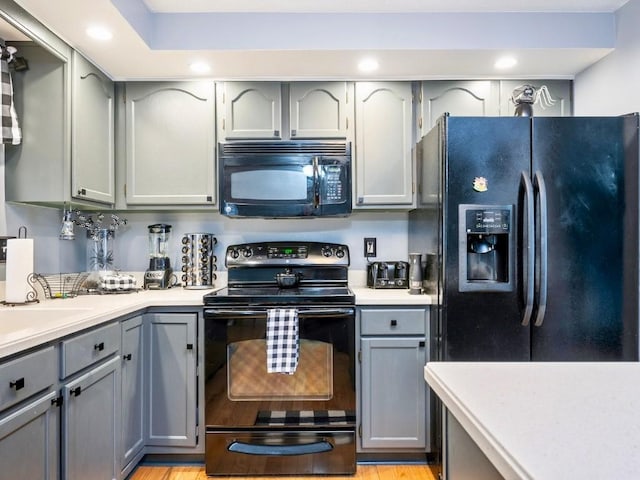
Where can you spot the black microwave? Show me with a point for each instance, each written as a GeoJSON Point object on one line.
{"type": "Point", "coordinates": [275, 179]}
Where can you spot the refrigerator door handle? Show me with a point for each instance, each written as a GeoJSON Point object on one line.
{"type": "Point", "coordinates": [538, 183]}
{"type": "Point", "coordinates": [528, 251]}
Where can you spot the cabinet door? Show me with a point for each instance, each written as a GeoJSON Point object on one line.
{"type": "Point", "coordinates": [92, 133]}
{"type": "Point", "coordinates": [90, 428]}
{"type": "Point", "coordinates": [170, 143]}
{"type": "Point", "coordinates": [393, 393]}
{"type": "Point", "coordinates": [132, 390]}
{"type": "Point", "coordinates": [319, 109]}
{"type": "Point", "coordinates": [468, 98]}
{"type": "Point", "coordinates": [559, 91]}
{"type": "Point", "coordinates": [384, 173]}
{"type": "Point", "coordinates": [250, 110]}
{"type": "Point", "coordinates": [29, 441]}
{"type": "Point", "coordinates": [171, 392]}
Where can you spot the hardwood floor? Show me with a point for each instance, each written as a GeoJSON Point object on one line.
{"type": "Point", "coordinates": [365, 472]}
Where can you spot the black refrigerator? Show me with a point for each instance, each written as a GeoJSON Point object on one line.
{"type": "Point", "coordinates": [534, 225]}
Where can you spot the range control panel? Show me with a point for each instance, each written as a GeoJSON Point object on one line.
{"type": "Point", "coordinates": [287, 254]}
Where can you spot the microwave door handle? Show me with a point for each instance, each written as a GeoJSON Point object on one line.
{"type": "Point", "coordinates": [316, 186]}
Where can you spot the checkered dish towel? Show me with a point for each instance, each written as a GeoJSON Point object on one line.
{"type": "Point", "coordinates": [282, 340]}
{"type": "Point", "coordinates": [10, 129]}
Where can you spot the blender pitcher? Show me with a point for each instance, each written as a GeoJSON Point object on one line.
{"type": "Point", "coordinates": [160, 272]}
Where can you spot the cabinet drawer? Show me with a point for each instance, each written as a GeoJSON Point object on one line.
{"type": "Point", "coordinates": [81, 351]}
{"type": "Point", "coordinates": [393, 322]}
{"type": "Point", "coordinates": [25, 376]}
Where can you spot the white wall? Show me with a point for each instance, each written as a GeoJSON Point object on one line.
{"type": "Point", "coordinates": [130, 244]}
{"type": "Point", "coordinates": [612, 85]}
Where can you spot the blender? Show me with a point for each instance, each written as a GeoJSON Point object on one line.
{"type": "Point", "coordinates": [159, 273]}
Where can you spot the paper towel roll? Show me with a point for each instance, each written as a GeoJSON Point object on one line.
{"type": "Point", "coordinates": [18, 268]}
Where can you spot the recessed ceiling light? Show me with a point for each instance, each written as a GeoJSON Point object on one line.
{"type": "Point", "coordinates": [98, 32]}
{"type": "Point", "coordinates": [505, 63]}
{"type": "Point", "coordinates": [368, 65]}
{"type": "Point", "coordinates": [199, 67]}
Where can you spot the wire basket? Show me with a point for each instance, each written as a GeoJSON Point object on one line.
{"type": "Point", "coordinates": [61, 285]}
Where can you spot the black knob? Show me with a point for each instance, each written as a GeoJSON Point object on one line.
{"type": "Point", "coordinates": [17, 384]}
{"type": "Point", "coordinates": [76, 391]}
{"type": "Point", "coordinates": [189, 346]}
{"type": "Point", "coordinates": [127, 356]}
{"type": "Point", "coordinates": [394, 323]}
{"type": "Point", "coordinates": [99, 346]}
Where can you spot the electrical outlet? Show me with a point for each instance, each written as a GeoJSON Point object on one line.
{"type": "Point", "coordinates": [3, 248]}
{"type": "Point", "coordinates": [369, 247]}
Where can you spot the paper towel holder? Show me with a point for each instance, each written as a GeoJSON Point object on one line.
{"type": "Point", "coordinates": [31, 295]}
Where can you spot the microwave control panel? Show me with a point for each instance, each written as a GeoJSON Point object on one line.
{"type": "Point", "coordinates": [334, 184]}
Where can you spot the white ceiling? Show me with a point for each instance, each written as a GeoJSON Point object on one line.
{"type": "Point", "coordinates": [304, 39]}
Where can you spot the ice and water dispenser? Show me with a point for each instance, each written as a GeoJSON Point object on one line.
{"type": "Point", "coordinates": [487, 248]}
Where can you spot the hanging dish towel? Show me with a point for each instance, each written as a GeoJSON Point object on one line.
{"type": "Point", "coordinates": [11, 133]}
{"type": "Point", "coordinates": [282, 340]}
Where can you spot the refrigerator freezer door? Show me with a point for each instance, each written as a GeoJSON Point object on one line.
{"type": "Point", "coordinates": [484, 159]}
{"type": "Point", "coordinates": [590, 168]}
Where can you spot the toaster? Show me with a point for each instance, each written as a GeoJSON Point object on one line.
{"type": "Point", "coordinates": [388, 275]}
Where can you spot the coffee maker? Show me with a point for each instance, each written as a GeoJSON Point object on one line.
{"type": "Point", "coordinates": [159, 274]}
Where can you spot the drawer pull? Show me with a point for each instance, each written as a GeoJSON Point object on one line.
{"type": "Point", "coordinates": [76, 391]}
{"type": "Point", "coordinates": [18, 384]}
{"type": "Point", "coordinates": [189, 346]}
{"type": "Point", "coordinates": [99, 346]}
{"type": "Point", "coordinates": [394, 323]}
{"type": "Point", "coordinates": [421, 343]}
{"type": "Point", "coordinates": [127, 356]}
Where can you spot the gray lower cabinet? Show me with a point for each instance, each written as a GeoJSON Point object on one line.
{"type": "Point", "coordinates": [395, 407]}
{"type": "Point", "coordinates": [90, 426]}
{"type": "Point", "coordinates": [29, 440]}
{"type": "Point", "coordinates": [170, 143]}
{"type": "Point", "coordinates": [29, 416]}
{"type": "Point", "coordinates": [383, 166]}
{"type": "Point", "coordinates": [171, 413]}
{"type": "Point", "coordinates": [132, 425]}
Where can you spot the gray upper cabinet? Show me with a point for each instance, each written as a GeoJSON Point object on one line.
{"type": "Point", "coordinates": [480, 98]}
{"type": "Point", "coordinates": [320, 109]}
{"type": "Point", "coordinates": [170, 143]}
{"type": "Point", "coordinates": [92, 133]}
{"type": "Point", "coordinates": [282, 110]}
{"type": "Point", "coordinates": [250, 110]}
{"type": "Point", "coordinates": [38, 170]}
{"type": "Point", "coordinates": [383, 161]}
{"type": "Point", "coordinates": [477, 98]}
{"type": "Point", "coordinates": [559, 91]}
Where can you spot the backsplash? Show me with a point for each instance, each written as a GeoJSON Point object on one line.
{"type": "Point", "coordinates": [130, 243]}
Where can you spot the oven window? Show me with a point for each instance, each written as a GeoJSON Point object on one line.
{"type": "Point", "coordinates": [248, 379]}
{"type": "Point", "coordinates": [264, 184]}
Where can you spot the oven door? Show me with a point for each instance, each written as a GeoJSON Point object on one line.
{"type": "Point", "coordinates": [306, 420]}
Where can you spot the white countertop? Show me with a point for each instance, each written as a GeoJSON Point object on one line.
{"type": "Point", "coordinates": [27, 326]}
{"type": "Point", "coordinates": [547, 421]}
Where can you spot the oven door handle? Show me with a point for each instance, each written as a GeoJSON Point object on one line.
{"type": "Point", "coordinates": [315, 312]}
{"type": "Point", "coordinates": [280, 450]}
